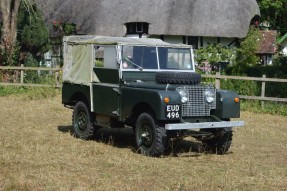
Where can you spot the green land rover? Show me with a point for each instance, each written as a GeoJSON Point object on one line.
{"type": "Point", "coordinates": [146, 84]}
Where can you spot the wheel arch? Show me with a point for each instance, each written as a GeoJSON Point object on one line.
{"type": "Point", "coordinates": [78, 96]}
{"type": "Point", "coordinates": [72, 93]}
{"type": "Point", "coordinates": [138, 109]}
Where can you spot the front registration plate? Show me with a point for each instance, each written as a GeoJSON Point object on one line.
{"type": "Point", "coordinates": [172, 111]}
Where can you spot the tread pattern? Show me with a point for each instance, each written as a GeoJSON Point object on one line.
{"type": "Point", "coordinates": [160, 139]}
{"type": "Point", "coordinates": [220, 144]}
{"type": "Point", "coordinates": [178, 78]}
{"type": "Point", "coordinates": [89, 131]}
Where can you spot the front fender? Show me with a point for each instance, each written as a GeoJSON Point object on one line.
{"type": "Point", "coordinates": [226, 107]}
{"type": "Point", "coordinates": [131, 97]}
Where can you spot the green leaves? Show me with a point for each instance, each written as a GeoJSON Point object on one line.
{"type": "Point", "coordinates": [274, 12]}
{"type": "Point", "coordinates": [248, 46]}
{"type": "Point", "coordinates": [34, 36]}
{"type": "Point", "coordinates": [241, 57]}
{"type": "Point", "coordinates": [208, 56]}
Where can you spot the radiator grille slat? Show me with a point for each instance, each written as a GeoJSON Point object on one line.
{"type": "Point", "coordinates": [196, 106]}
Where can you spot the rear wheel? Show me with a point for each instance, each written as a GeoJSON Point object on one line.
{"type": "Point", "coordinates": [220, 141]}
{"type": "Point", "coordinates": [151, 138]}
{"type": "Point", "coordinates": [83, 127]}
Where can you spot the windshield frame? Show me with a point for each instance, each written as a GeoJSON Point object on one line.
{"type": "Point", "coordinates": [140, 68]}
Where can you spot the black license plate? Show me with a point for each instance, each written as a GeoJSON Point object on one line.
{"type": "Point", "coordinates": [172, 111]}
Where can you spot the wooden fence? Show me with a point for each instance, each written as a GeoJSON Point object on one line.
{"type": "Point", "coordinates": [263, 81]}
{"type": "Point", "coordinates": [217, 78]}
{"type": "Point", "coordinates": [22, 69]}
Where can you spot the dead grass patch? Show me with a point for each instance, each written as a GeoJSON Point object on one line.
{"type": "Point", "coordinates": [37, 152]}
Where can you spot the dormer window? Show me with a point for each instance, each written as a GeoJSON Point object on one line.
{"type": "Point", "coordinates": [137, 28]}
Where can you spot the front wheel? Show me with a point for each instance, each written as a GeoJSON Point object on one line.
{"type": "Point", "coordinates": [220, 141]}
{"type": "Point", "coordinates": [151, 139]}
{"type": "Point", "coordinates": [83, 127]}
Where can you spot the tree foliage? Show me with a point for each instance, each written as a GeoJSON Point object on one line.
{"type": "Point", "coordinates": [34, 35]}
{"type": "Point", "coordinates": [246, 53]}
{"type": "Point", "coordinates": [208, 57]}
{"type": "Point", "coordinates": [275, 13]}
{"type": "Point", "coordinates": [214, 53]}
{"type": "Point", "coordinates": [239, 58]}
{"type": "Point", "coordinates": [22, 30]}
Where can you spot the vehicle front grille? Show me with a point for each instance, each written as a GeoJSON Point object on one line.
{"type": "Point", "coordinates": [196, 106]}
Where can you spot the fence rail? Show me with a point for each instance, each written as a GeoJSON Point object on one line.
{"type": "Point", "coordinates": [22, 69]}
{"type": "Point", "coordinates": [263, 79]}
{"type": "Point", "coordinates": [217, 78]}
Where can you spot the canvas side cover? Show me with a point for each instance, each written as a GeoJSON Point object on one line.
{"type": "Point", "coordinates": [78, 64]}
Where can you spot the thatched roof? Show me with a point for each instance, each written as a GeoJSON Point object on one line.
{"type": "Point", "coordinates": [214, 18]}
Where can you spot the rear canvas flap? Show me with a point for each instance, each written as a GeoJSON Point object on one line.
{"type": "Point", "coordinates": [78, 64]}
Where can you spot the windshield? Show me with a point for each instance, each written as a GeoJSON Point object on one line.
{"type": "Point", "coordinates": [175, 58]}
{"type": "Point", "coordinates": [141, 57]}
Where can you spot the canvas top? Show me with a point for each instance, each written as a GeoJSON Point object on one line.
{"type": "Point", "coordinates": [107, 40]}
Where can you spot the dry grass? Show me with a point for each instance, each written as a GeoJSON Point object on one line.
{"type": "Point", "coordinates": [37, 152]}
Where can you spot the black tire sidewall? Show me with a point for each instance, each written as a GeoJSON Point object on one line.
{"type": "Point", "coordinates": [88, 131]}
{"type": "Point", "coordinates": [158, 144]}
{"type": "Point", "coordinates": [221, 144]}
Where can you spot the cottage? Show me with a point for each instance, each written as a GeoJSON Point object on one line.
{"type": "Point", "coordinates": [187, 21]}
{"type": "Point", "coordinates": [267, 47]}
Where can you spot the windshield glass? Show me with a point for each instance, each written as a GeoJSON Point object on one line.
{"type": "Point", "coordinates": [175, 58]}
{"type": "Point", "coordinates": [141, 57]}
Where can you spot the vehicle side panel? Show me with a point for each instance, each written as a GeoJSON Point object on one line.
{"type": "Point", "coordinates": [106, 99]}
{"type": "Point", "coordinates": [71, 93]}
{"type": "Point", "coordinates": [131, 97]}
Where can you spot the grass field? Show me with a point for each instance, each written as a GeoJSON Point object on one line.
{"type": "Point", "coordinates": [37, 152]}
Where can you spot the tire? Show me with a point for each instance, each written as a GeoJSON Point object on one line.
{"type": "Point", "coordinates": [220, 142]}
{"type": "Point", "coordinates": [151, 139]}
{"type": "Point", "coordinates": [83, 127]}
{"type": "Point", "coordinates": [178, 78]}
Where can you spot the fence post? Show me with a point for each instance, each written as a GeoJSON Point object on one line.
{"type": "Point", "coordinates": [22, 74]}
{"type": "Point", "coordinates": [57, 77]}
{"type": "Point", "coordinates": [263, 90]}
{"type": "Point", "coordinates": [217, 80]}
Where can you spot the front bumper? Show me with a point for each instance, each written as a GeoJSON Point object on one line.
{"type": "Point", "coordinates": [204, 125]}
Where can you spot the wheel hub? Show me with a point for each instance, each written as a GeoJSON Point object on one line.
{"type": "Point", "coordinates": [82, 121]}
{"type": "Point", "coordinates": [146, 136]}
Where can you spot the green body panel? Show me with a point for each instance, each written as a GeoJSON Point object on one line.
{"type": "Point", "coordinates": [131, 97]}
{"type": "Point", "coordinates": [106, 99]}
{"type": "Point", "coordinates": [138, 75]}
{"type": "Point", "coordinates": [74, 92]}
{"type": "Point", "coordinates": [107, 75]}
{"type": "Point", "coordinates": [225, 105]}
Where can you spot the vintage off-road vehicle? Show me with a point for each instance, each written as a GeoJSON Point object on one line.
{"type": "Point", "coordinates": [149, 85]}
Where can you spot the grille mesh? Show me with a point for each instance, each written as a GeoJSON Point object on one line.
{"type": "Point", "coordinates": [196, 106]}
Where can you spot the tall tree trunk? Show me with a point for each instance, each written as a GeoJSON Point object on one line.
{"type": "Point", "coordinates": [9, 10]}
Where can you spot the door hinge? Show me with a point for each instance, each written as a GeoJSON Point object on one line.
{"type": "Point", "coordinates": [116, 113]}
{"type": "Point", "coordinates": [117, 90]}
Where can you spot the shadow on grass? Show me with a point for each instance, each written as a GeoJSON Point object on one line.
{"type": "Point", "coordinates": [125, 138]}
{"type": "Point", "coordinates": [65, 129]}
{"type": "Point", "coordinates": [118, 137]}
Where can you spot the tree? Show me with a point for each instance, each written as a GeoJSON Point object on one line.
{"type": "Point", "coordinates": [246, 53]}
{"type": "Point", "coordinates": [33, 33]}
{"type": "Point", "coordinates": [23, 29]}
{"type": "Point", "coordinates": [9, 10]}
{"type": "Point", "coordinates": [275, 13]}
{"type": "Point", "coordinates": [210, 57]}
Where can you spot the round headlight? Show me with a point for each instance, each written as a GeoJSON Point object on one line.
{"type": "Point", "coordinates": [209, 96]}
{"type": "Point", "coordinates": [184, 95]}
